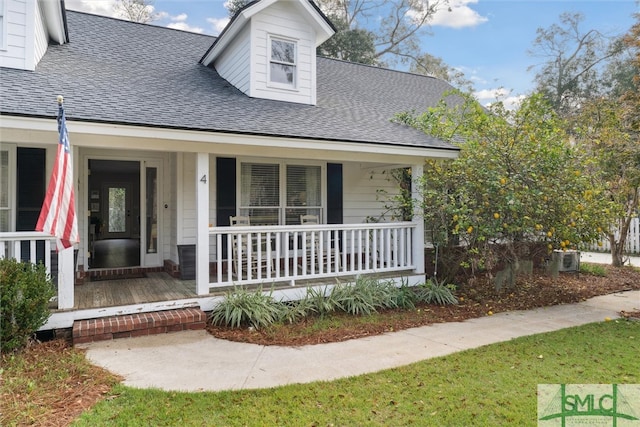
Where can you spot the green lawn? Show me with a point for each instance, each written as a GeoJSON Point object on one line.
{"type": "Point", "coordinates": [492, 385]}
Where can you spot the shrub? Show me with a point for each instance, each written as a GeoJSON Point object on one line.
{"type": "Point", "coordinates": [244, 308]}
{"type": "Point", "coordinates": [433, 292]}
{"type": "Point", "coordinates": [25, 291]}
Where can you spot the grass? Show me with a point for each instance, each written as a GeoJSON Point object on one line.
{"type": "Point", "coordinates": [593, 269]}
{"type": "Point", "coordinates": [491, 385]}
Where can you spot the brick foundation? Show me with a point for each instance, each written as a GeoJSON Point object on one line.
{"type": "Point", "coordinates": [135, 325]}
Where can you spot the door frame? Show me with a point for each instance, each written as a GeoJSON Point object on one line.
{"type": "Point", "coordinates": [145, 160]}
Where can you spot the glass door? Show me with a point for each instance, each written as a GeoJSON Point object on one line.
{"type": "Point", "coordinates": [117, 210]}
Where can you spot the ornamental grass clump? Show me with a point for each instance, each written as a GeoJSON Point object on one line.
{"type": "Point", "coordinates": [320, 301]}
{"type": "Point", "coordinates": [364, 296]}
{"type": "Point", "coordinates": [403, 297]}
{"type": "Point", "coordinates": [433, 292]}
{"type": "Point", "coordinates": [244, 308]}
{"type": "Point", "coordinates": [25, 291]}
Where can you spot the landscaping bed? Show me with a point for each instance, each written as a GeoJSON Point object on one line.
{"type": "Point", "coordinates": [476, 299]}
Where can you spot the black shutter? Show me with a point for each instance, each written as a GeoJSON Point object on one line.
{"type": "Point", "coordinates": [334, 193]}
{"type": "Point", "coordinates": [30, 188]}
{"type": "Point", "coordinates": [225, 190]}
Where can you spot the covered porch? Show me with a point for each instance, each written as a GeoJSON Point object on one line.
{"type": "Point", "coordinates": [283, 258]}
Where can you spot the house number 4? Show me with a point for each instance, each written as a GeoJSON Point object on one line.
{"type": "Point", "coordinates": [203, 179]}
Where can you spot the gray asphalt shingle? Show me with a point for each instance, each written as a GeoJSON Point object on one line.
{"type": "Point", "coordinates": [122, 72]}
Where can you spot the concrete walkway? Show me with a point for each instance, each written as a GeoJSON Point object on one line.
{"type": "Point", "coordinates": [196, 361]}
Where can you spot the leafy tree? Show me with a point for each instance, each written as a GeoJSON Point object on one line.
{"type": "Point", "coordinates": [353, 45]}
{"type": "Point", "coordinates": [572, 61]}
{"type": "Point", "coordinates": [517, 180]}
{"type": "Point", "coordinates": [234, 6]}
{"type": "Point", "coordinates": [609, 129]}
{"type": "Point", "coordinates": [430, 65]}
{"type": "Point", "coordinates": [606, 135]}
{"type": "Point", "coordinates": [395, 24]}
{"type": "Point", "coordinates": [135, 10]}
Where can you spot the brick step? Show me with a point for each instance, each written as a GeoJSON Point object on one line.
{"type": "Point", "coordinates": [137, 325]}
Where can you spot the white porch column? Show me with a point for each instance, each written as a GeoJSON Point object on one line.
{"type": "Point", "coordinates": [418, 218]}
{"type": "Point", "coordinates": [66, 279]}
{"type": "Point", "coordinates": [202, 223]}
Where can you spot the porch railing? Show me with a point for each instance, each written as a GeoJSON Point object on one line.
{"type": "Point", "coordinates": [267, 254]}
{"type": "Point", "coordinates": [37, 247]}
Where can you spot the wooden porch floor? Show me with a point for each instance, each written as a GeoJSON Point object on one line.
{"type": "Point", "coordinates": [160, 286]}
{"type": "Point", "coordinates": [154, 287]}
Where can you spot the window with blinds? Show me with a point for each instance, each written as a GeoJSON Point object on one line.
{"type": "Point", "coordinates": [260, 193]}
{"type": "Point", "coordinates": [273, 194]}
{"type": "Point", "coordinates": [304, 196]}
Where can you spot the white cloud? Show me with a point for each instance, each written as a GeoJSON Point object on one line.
{"type": "Point", "coordinates": [180, 18]}
{"type": "Point", "coordinates": [97, 7]}
{"type": "Point", "coordinates": [184, 27]}
{"type": "Point", "coordinates": [218, 24]}
{"type": "Point", "coordinates": [489, 96]}
{"type": "Point", "coordinates": [458, 15]}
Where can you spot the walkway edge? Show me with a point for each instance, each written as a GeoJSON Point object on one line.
{"type": "Point", "coordinates": [196, 361]}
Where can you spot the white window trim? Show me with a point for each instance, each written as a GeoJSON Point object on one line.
{"type": "Point", "coordinates": [296, 65]}
{"type": "Point", "coordinates": [11, 199]}
{"type": "Point", "coordinates": [282, 170]}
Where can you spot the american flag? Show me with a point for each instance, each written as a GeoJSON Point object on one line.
{"type": "Point", "coordinates": [58, 214]}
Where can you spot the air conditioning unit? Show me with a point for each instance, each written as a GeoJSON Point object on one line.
{"type": "Point", "coordinates": [567, 260]}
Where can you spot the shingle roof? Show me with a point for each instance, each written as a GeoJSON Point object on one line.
{"type": "Point", "coordinates": [122, 72]}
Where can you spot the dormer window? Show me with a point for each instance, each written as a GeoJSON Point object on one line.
{"type": "Point", "coordinates": [282, 64]}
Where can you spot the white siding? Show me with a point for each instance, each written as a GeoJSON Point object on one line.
{"type": "Point", "coordinates": [284, 20]}
{"type": "Point", "coordinates": [188, 195]}
{"type": "Point", "coordinates": [233, 64]}
{"type": "Point", "coordinates": [360, 193]}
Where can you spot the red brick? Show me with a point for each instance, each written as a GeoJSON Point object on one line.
{"type": "Point", "coordinates": [140, 333]}
{"type": "Point", "coordinates": [157, 330]}
{"type": "Point", "coordinates": [102, 337]}
{"type": "Point", "coordinates": [122, 334]}
{"type": "Point", "coordinates": [175, 328]}
{"type": "Point", "coordinates": [82, 340]}
{"type": "Point", "coordinates": [196, 326]}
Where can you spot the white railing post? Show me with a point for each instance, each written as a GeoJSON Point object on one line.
{"type": "Point", "coordinates": [66, 278]}
{"type": "Point", "coordinates": [202, 223]}
{"type": "Point", "coordinates": [418, 219]}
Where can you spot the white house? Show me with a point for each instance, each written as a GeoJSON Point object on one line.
{"type": "Point", "coordinates": [173, 133]}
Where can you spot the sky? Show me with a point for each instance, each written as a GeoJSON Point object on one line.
{"type": "Point", "coordinates": [487, 40]}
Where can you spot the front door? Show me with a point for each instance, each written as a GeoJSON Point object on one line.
{"type": "Point", "coordinates": [115, 213]}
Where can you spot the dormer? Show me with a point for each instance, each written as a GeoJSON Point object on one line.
{"type": "Point", "coordinates": [26, 29]}
{"type": "Point", "coordinates": [268, 50]}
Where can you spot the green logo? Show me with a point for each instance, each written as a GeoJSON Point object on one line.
{"type": "Point", "coordinates": [614, 405]}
